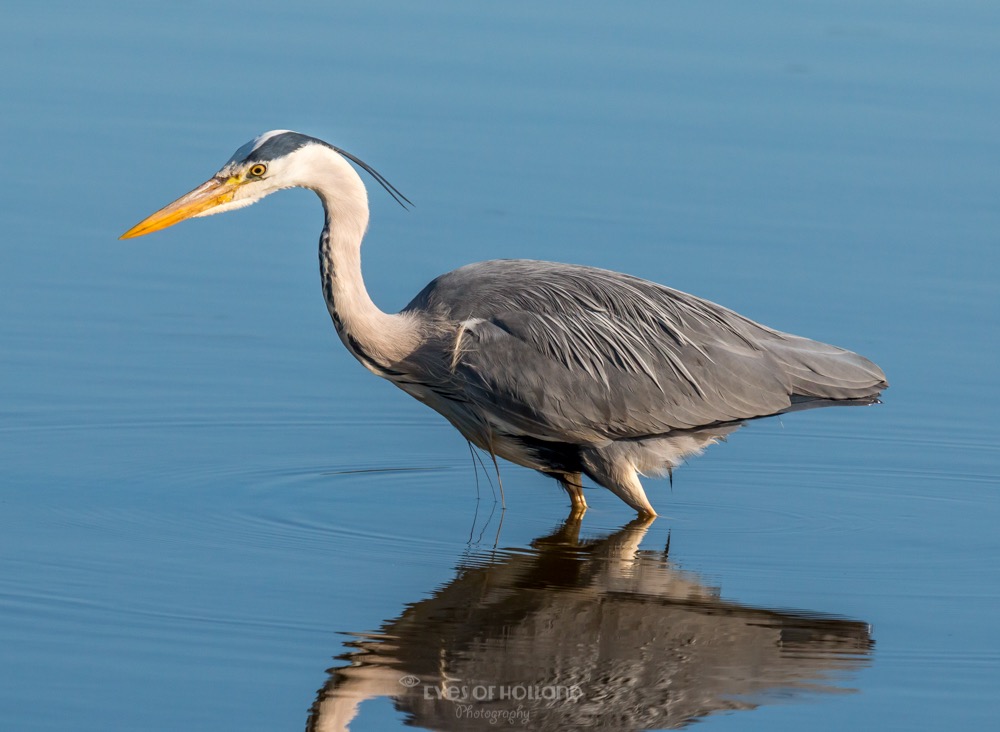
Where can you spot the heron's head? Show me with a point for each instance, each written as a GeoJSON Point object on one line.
{"type": "Point", "coordinates": [264, 165]}
{"type": "Point", "coordinates": [275, 160]}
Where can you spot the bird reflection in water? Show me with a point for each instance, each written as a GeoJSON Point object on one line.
{"type": "Point", "coordinates": [596, 633]}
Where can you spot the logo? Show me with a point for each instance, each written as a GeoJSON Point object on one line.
{"type": "Point", "coordinates": [409, 681]}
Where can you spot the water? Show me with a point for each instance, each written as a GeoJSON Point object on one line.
{"type": "Point", "coordinates": [206, 503]}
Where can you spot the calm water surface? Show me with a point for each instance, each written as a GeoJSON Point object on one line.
{"type": "Point", "coordinates": [211, 517]}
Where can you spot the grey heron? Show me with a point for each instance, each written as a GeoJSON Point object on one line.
{"type": "Point", "coordinates": [566, 369]}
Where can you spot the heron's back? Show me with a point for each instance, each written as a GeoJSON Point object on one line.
{"type": "Point", "coordinates": [606, 348]}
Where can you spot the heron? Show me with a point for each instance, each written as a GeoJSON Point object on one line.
{"type": "Point", "coordinates": [567, 369]}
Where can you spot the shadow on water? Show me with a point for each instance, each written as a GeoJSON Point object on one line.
{"type": "Point", "coordinates": [573, 633]}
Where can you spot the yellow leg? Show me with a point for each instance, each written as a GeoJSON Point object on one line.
{"type": "Point", "coordinates": [573, 484]}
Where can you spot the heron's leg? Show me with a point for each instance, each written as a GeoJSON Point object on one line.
{"type": "Point", "coordinates": [573, 484]}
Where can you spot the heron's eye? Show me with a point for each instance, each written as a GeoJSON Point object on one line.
{"type": "Point", "coordinates": [257, 170]}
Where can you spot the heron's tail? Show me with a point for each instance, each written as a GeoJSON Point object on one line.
{"type": "Point", "coordinates": [820, 371]}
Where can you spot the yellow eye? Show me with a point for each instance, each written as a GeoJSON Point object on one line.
{"type": "Point", "coordinates": [257, 170]}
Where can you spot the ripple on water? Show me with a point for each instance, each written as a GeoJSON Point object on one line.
{"type": "Point", "coordinates": [296, 508]}
{"type": "Point", "coordinates": [169, 557]}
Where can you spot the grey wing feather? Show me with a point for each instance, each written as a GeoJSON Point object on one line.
{"type": "Point", "coordinates": [571, 352]}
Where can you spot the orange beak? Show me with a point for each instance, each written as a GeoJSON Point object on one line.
{"type": "Point", "coordinates": [209, 194]}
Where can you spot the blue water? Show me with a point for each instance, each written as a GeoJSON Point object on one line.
{"type": "Point", "coordinates": [205, 503]}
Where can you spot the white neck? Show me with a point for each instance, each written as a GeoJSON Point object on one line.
{"type": "Point", "coordinates": [376, 339]}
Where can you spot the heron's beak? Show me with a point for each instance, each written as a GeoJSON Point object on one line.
{"type": "Point", "coordinates": [208, 195]}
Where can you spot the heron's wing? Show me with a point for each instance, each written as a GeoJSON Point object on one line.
{"type": "Point", "coordinates": [586, 354]}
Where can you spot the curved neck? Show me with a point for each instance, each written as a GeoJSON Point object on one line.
{"type": "Point", "coordinates": [376, 339]}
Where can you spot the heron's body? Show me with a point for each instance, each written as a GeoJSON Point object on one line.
{"type": "Point", "coordinates": [562, 368]}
